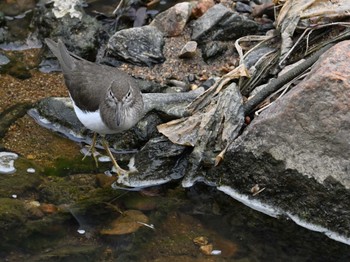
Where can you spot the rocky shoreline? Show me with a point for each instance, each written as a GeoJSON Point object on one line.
{"type": "Point", "coordinates": [288, 160]}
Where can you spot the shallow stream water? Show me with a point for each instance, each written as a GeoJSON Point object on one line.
{"type": "Point", "coordinates": [66, 210]}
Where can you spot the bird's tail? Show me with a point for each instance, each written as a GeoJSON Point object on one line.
{"type": "Point", "coordinates": [62, 54]}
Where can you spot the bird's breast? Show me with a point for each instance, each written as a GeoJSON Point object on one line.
{"type": "Point", "coordinates": [93, 121]}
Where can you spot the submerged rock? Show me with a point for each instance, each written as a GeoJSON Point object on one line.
{"type": "Point", "coordinates": [4, 60]}
{"type": "Point", "coordinates": [11, 115]}
{"type": "Point", "coordinates": [158, 162]}
{"type": "Point", "coordinates": [129, 222]}
{"type": "Point", "coordinates": [15, 8]}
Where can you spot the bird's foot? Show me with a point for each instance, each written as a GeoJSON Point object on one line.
{"type": "Point", "coordinates": [123, 172]}
{"type": "Point", "coordinates": [92, 150]}
{"type": "Point", "coordinates": [116, 168]}
{"type": "Point", "coordinates": [120, 171]}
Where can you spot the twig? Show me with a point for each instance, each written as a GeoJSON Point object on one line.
{"type": "Point", "coordinates": [277, 83]}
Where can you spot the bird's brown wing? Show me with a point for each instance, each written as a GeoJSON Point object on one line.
{"type": "Point", "coordinates": [88, 83]}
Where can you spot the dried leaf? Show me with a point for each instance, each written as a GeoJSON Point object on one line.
{"type": "Point", "coordinates": [220, 157]}
{"type": "Point", "coordinates": [307, 13]}
{"type": "Point", "coordinates": [129, 222]}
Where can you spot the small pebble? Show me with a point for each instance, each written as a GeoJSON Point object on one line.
{"type": "Point", "coordinates": [189, 50]}
{"type": "Point", "coordinates": [201, 241]}
{"type": "Point", "coordinates": [48, 208]}
{"type": "Point", "coordinates": [191, 77]}
{"type": "Point", "coordinates": [193, 87]}
{"type": "Point", "coordinates": [30, 157]}
{"type": "Point", "coordinates": [206, 249]}
{"type": "Point", "coordinates": [216, 252]}
{"type": "Point", "coordinates": [14, 196]}
{"type": "Point", "coordinates": [31, 170]}
{"type": "Point", "coordinates": [104, 159]}
{"type": "Point", "coordinates": [34, 203]}
{"type": "Point", "coordinates": [108, 173]}
{"type": "Point", "coordinates": [178, 83]}
{"type": "Point", "coordinates": [81, 231]}
{"type": "Point", "coordinates": [4, 60]}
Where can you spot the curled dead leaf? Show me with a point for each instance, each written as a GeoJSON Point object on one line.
{"type": "Point", "coordinates": [129, 222]}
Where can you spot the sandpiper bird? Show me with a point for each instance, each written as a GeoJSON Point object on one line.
{"type": "Point", "coordinates": [105, 99]}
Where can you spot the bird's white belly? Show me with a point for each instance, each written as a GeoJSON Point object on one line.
{"type": "Point", "coordinates": [93, 121]}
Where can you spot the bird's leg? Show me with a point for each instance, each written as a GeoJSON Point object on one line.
{"type": "Point", "coordinates": [92, 149]}
{"type": "Point", "coordinates": [120, 171]}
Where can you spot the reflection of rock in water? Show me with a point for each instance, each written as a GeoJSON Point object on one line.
{"type": "Point", "coordinates": [10, 115]}
{"type": "Point", "coordinates": [84, 227]}
{"type": "Point", "coordinates": [158, 162]}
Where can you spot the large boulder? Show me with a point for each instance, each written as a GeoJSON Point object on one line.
{"type": "Point", "coordinates": [298, 150]}
{"type": "Point", "coordinates": [309, 128]}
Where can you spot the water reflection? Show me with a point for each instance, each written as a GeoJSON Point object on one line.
{"type": "Point", "coordinates": [179, 216]}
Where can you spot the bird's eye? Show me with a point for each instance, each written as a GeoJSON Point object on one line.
{"type": "Point", "coordinates": [128, 94]}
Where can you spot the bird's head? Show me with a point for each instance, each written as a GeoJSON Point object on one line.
{"type": "Point", "coordinates": [124, 100]}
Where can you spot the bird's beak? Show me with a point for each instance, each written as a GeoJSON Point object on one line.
{"type": "Point", "coordinates": [119, 113]}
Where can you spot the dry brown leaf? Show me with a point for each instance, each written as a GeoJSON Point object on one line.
{"type": "Point", "coordinates": [322, 11]}
{"type": "Point", "coordinates": [129, 222]}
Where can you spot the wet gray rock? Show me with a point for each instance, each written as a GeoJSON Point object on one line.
{"type": "Point", "coordinates": [253, 57]}
{"type": "Point", "coordinates": [3, 35]}
{"type": "Point", "coordinates": [57, 114]}
{"type": "Point", "coordinates": [221, 23]}
{"type": "Point", "coordinates": [147, 128]}
{"type": "Point", "coordinates": [173, 105]}
{"type": "Point", "coordinates": [212, 50]}
{"type": "Point", "coordinates": [243, 8]}
{"type": "Point", "coordinates": [79, 34]}
{"type": "Point", "coordinates": [172, 21]}
{"type": "Point", "coordinates": [149, 86]}
{"type": "Point", "coordinates": [11, 115]}
{"type": "Point", "coordinates": [203, 25]}
{"type": "Point", "coordinates": [2, 19]}
{"type": "Point", "coordinates": [60, 110]}
{"type": "Point", "coordinates": [158, 162]}
{"type": "Point", "coordinates": [141, 46]}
